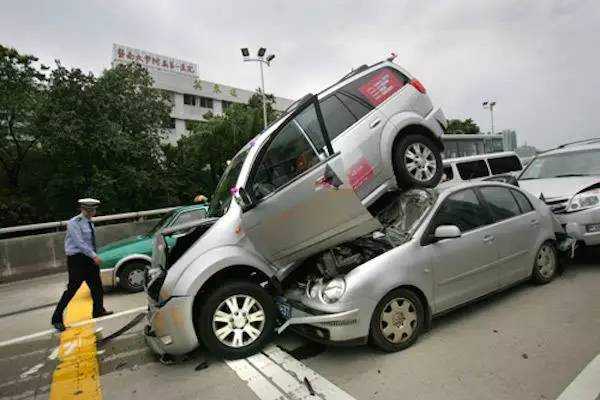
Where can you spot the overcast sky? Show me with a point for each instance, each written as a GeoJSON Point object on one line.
{"type": "Point", "coordinates": [539, 60]}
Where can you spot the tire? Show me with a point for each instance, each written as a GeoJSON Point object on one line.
{"type": "Point", "coordinates": [131, 276]}
{"type": "Point", "coordinates": [545, 265]}
{"type": "Point", "coordinates": [408, 308]}
{"type": "Point", "coordinates": [236, 340]}
{"type": "Point", "coordinates": [423, 172]}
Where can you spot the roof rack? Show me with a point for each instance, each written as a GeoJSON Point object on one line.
{"type": "Point", "coordinates": [584, 141]}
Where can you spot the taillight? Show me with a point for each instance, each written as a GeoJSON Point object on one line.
{"type": "Point", "coordinates": [418, 85]}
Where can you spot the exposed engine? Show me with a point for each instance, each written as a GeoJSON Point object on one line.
{"type": "Point", "coordinates": [345, 257]}
{"type": "Point", "coordinates": [398, 213]}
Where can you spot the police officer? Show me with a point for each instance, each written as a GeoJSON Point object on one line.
{"type": "Point", "coordinates": [82, 262]}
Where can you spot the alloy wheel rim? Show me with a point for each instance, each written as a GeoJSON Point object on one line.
{"type": "Point", "coordinates": [398, 320]}
{"type": "Point", "coordinates": [136, 278]}
{"type": "Point", "coordinates": [420, 162]}
{"type": "Point", "coordinates": [238, 321]}
{"type": "Point", "coordinates": [545, 261]}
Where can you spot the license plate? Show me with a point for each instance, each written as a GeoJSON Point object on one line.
{"type": "Point", "coordinates": [285, 310]}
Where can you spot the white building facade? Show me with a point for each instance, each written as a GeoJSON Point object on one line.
{"type": "Point", "coordinates": [191, 96]}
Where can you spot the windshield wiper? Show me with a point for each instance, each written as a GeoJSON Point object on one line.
{"type": "Point", "coordinates": [568, 175]}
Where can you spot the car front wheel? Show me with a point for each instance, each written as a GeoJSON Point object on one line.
{"type": "Point", "coordinates": [417, 162]}
{"type": "Point", "coordinates": [397, 320]}
{"type": "Point", "coordinates": [237, 319]}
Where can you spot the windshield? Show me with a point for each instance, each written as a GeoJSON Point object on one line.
{"type": "Point", "coordinates": [222, 196]}
{"type": "Point", "coordinates": [576, 163]}
{"type": "Point", "coordinates": [404, 214]}
{"type": "Point", "coordinates": [163, 221]}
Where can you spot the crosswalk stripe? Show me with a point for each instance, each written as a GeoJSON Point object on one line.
{"type": "Point", "coordinates": [275, 375]}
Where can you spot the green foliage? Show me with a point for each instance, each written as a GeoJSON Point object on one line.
{"type": "Point", "coordinates": [66, 134]}
{"type": "Point", "coordinates": [460, 127]}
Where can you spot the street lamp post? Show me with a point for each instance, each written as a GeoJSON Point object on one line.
{"type": "Point", "coordinates": [490, 104]}
{"type": "Point", "coordinates": [260, 58]}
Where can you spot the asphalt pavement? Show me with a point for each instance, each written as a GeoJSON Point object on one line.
{"type": "Point", "coordinates": [529, 342]}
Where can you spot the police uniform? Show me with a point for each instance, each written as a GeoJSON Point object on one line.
{"type": "Point", "coordinates": [80, 248]}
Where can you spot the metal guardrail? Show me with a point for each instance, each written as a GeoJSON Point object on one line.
{"type": "Point", "coordinates": [103, 218]}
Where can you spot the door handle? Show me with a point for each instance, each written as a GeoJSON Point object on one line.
{"type": "Point", "coordinates": [534, 222]}
{"type": "Point", "coordinates": [374, 123]}
{"type": "Point", "coordinates": [488, 239]}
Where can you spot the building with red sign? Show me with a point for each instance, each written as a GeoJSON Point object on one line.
{"type": "Point", "coordinates": [192, 97]}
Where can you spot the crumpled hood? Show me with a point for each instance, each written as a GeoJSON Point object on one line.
{"type": "Point", "coordinates": [558, 188]}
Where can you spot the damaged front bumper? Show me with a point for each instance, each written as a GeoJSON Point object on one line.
{"type": "Point", "coordinates": [345, 327]}
{"type": "Point", "coordinates": [170, 328]}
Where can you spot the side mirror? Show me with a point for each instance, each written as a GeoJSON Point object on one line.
{"type": "Point", "coordinates": [446, 232]}
{"type": "Point", "coordinates": [242, 197]}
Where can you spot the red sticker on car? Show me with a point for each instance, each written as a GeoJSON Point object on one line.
{"type": "Point", "coordinates": [360, 172]}
{"type": "Point", "coordinates": [381, 86]}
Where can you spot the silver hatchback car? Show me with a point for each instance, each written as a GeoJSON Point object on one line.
{"type": "Point", "coordinates": [437, 250]}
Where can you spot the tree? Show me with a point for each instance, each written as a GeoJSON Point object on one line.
{"type": "Point", "coordinates": [102, 136]}
{"type": "Point", "coordinates": [466, 127]}
{"type": "Point", "coordinates": [21, 86]}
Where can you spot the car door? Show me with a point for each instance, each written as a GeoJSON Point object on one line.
{"type": "Point", "coordinates": [355, 128]}
{"type": "Point", "coordinates": [300, 203]}
{"type": "Point", "coordinates": [514, 231]}
{"type": "Point", "coordinates": [463, 267]}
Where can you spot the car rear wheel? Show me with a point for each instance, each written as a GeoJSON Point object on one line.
{"type": "Point", "coordinates": [397, 320]}
{"type": "Point", "coordinates": [417, 162]}
{"type": "Point", "coordinates": [237, 319]}
{"type": "Point", "coordinates": [131, 276]}
{"type": "Point", "coordinates": [546, 264]}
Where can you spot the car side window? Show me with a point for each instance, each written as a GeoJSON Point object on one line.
{"type": "Point", "coordinates": [289, 155]}
{"type": "Point", "coordinates": [309, 124]}
{"type": "Point", "coordinates": [336, 115]}
{"type": "Point", "coordinates": [523, 201]}
{"type": "Point", "coordinates": [375, 87]}
{"type": "Point", "coordinates": [462, 209]}
{"type": "Point", "coordinates": [358, 108]}
{"type": "Point", "coordinates": [502, 165]}
{"type": "Point", "coordinates": [472, 169]}
{"type": "Point", "coordinates": [501, 203]}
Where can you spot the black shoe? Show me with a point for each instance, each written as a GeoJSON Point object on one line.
{"type": "Point", "coordinates": [103, 313]}
{"type": "Point", "coordinates": [59, 326]}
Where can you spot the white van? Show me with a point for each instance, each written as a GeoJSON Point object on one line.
{"type": "Point", "coordinates": [481, 166]}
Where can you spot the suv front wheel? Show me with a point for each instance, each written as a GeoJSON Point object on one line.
{"type": "Point", "coordinates": [237, 319]}
{"type": "Point", "coordinates": [417, 162]}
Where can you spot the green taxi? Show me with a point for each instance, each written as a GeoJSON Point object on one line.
{"type": "Point", "coordinates": [124, 262]}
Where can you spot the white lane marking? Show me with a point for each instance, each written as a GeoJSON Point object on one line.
{"type": "Point", "coordinates": [80, 323]}
{"type": "Point", "coordinates": [32, 370]}
{"type": "Point", "coordinates": [54, 353]}
{"type": "Point", "coordinates": [586, 385]}
{"type": "Point", "coordinates": [277, 375]}
{"type": "Point", "coordinates": [264, 389]}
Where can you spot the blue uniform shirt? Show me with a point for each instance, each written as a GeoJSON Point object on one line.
{"type": "Point", "coordinates": [79, 237]}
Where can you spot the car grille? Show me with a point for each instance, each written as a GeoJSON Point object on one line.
{"type": "Point", "coordinates": [558, 206]}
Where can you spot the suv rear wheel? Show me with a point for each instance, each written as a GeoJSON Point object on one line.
{"type": "Point", "coordinates": [237, 319]}
{"type": "Point", "coordinates": [417, 162]}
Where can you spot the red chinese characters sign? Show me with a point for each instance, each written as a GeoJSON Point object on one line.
{"type": "Point", "coordinates": [381, 86]}
{"type": "Point", "coordinates": [151, 60]}
{"type": "Point", "coordinates": [360, 172]}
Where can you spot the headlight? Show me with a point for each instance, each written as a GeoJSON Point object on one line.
{"type": "Point", "coordinates": [584, 200]}
{"type": "Point", "coordinates": [334, 290]}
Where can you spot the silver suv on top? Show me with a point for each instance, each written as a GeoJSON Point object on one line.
{"type": "Point", "coordinates": [567, 179]}
{"type": "Point", "coordinates": [300, 187]}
